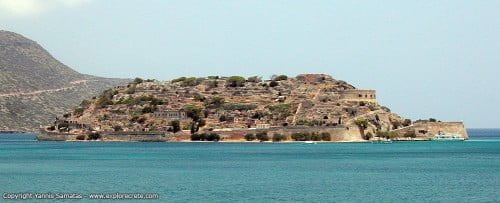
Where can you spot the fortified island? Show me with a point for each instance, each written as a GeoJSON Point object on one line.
{"type": "Point", "coordinates": [313, 107]}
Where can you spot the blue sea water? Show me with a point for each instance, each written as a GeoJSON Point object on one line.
{"type": "Point", "coordinates": [252, 172]}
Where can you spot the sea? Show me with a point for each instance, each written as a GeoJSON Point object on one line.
{"type": "Point", "coordinates": [467, 171]}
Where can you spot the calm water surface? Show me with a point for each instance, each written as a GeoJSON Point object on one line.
{"type": "Point", "coordinates": [251, 172]}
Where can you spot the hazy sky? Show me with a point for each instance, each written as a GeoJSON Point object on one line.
{"type": "Point", "coordinates": [425, 58]}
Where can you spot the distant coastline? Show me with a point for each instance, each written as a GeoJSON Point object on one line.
{"type": "Point", "coordinates": [12, 132]}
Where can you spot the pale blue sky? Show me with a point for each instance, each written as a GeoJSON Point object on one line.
{"type": "Point", "coordinates": [425, 58]}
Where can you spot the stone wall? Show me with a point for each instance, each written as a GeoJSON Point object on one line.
{"type": "Point", "coordinates": [428, 130]}
{"type": "Point", "coordinates": [336, 133]}
{"type": "Point", "coordinates": [358, 95]}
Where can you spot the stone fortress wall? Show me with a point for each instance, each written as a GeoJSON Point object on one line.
{"type": "Point", "coordinates": [336, 133]}
{"type": "Point", "coordinates": [358, 95]}
{"type": "Point", "coordinates": [426, 129]}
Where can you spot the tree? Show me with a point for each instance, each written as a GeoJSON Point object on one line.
{"type": "Point", "coordinates": [254, 79]}
{"type": "Point", "coordinates": [196, 137]}
{"type": "Point", "coordinates": [273, 84]}
{"type": "Point", "coordinates": [325, 136]}
{"type": "Point", "coordinates": [250, 137]}
{"type": "Point", "coordinates": [432, 120]}
{"type": "Point", "coordinates": [193, 112]}
{"type": "Point", "coordinates": [361, 123]}
{"type": "Point", "coordinates": [138, 80]}
{"type": "Point", "coordinates": [315, 137]}
{"type": "Point", "coordinates": [395, 124]}
{"type": "Point", "coordinates": [368, 136]}
{"type": "Point", "coordinates": [80, 137]}
{"type": "Point", "coordinates": [193, 128]}
{"type": "Point", "coordinates": [279, 78]}
{"type": "Point", "coordinates": [213, 137]}
{"type": "Point", "coordinates": [262, 136]}
{"type": "Point", "coordinates": [178, 80]}
{"type": "Point", "coordinates": [191, 81]}
{"type": "Point", "coordinates": [236, 81]}
{"type": "Point", "coordinates": [176, 125]}
{"type": "Point", "coordinates": [278, 137]}
{"type": "Point", "coordinates": [93, 136]}
{"type": "Point", "coordinates": [304, 136]}
{"type": "Point", "coordinates": [406, 122]}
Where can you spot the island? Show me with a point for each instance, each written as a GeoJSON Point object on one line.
{"type": "Point", "coordinates": [308, 107]}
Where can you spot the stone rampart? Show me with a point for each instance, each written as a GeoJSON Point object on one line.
{"type": "Point", "coordinates": [358, 95]}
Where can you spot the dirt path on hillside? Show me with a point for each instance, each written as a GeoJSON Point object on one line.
{"type": "Point", "coordinates": [74, 84]}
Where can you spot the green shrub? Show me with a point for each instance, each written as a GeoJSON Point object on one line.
{"type": "Point", "coordinates": [262, 136]}
{"type": "Point", "coordinates": [191, 81]}
{"type": "Point", "coordinates": [138, 80]}
{"type": "Point", "coordinates": [193, 112]}
{"type": "Point", "coordinates": [254, 79]}
{"type": "Point", "coordinates": [197, 137]}
{"type": "Point", "coordinates": [325, 136]}
{"type": "Point", "coordinates": [250, 137]}
{"type": "Point", "coordinates": [406, 122]}
{"type": "Point", "coordinates": [178, 79]}
{"type": "Point", "coordinates": [212, 137]}
{"type": "Point", "coordinates": [236, 81]}
{"type": "Point", "coordinates": [205, 137]}
{"type": "Point", "coordinates": [278, 137]}
{"type": "Point", "coordinates": [315, 136]}
{"type": "Point", "coordinates": [80, 137]}
{"type": "Point", "coordinates": [368, 136]}
{"type": "Point", "coordinates": [361, 123]}
{"type": "Point", "coordinates": [280, 77]}
{"type": "Point", "coordinates": [93, 136]}
{"type": "Point", "coordinates": [304, 136]}
{"type": "Point", "coordinates": [176, 126]}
